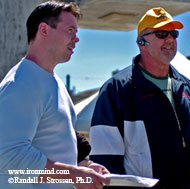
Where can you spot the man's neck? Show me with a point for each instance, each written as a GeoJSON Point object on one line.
{"type": "Point", "coordinates": [155, 67]}
{"type": "Point", "coordinates": [39, 58]}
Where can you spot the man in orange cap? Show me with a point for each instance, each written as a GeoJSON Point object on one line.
{"type": "Point", "coordinates": [141, 122]}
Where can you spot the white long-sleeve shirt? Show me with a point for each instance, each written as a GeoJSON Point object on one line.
{"type": "Point", "coordinates": [36, 122]}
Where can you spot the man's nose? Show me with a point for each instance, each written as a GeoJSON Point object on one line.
{"type": "Point", "coordinates": [170, 36]}
{"type": "Point", "coordinates": [76, 39]}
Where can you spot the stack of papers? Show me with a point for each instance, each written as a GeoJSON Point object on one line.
{"type": "Point", "coordinates": [130, 180]}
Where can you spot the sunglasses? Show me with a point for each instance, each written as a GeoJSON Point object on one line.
{"type": "Point", "coordinates": [162, 34]}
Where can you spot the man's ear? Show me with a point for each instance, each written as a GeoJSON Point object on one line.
{"type": "Point", "coordinates": [43, 29]}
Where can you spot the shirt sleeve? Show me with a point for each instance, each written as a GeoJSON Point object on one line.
{"type": "Point", "coordinates": [106, 131]}
{"type": "Point", "coordinates": [20, 113]}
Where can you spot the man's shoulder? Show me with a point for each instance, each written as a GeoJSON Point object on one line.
{"type": "Point", "coordinates": [9, 78]}
{"type": "Point", "coordinates": [124, 74]}
{"type": "Point", "coordinates": [27, 76]}
{"type": "Point", "coordinates": [178, 76]}
{"type": "Point", "coordinates": [121, 78]}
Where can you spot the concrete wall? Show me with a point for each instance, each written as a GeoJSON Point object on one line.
{"type": "Point", "coordinates": [13, 37]}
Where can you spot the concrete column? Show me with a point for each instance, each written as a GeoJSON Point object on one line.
{"type": "Point", "coordinates": [13, 36]}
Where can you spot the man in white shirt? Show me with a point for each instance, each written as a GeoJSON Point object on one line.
{"type": "Point", "coordinates": [36, 113]}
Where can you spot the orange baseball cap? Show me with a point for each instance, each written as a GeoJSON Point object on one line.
{"type": "Point", "coordinates": [156, 18]}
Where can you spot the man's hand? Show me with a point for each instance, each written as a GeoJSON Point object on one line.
{"type": "Point", "coordinates": [98, 168]}
{"type": "Point", "coordinates": [82, 177]}
{"type": "Point", "coordinates": [89, 179]}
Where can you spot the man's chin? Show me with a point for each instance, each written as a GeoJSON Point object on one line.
{"type": "Point", "coordinates": [65, 60]}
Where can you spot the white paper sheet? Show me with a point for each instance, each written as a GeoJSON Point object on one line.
{"type": "Point", "coordinates": [130, 180]}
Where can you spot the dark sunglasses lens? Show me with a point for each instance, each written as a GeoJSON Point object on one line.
{"type": "Point", "coordinates": [161, 34]}
{"type": "Point", "coordinates": [164, 34]}
{"type": "Point", "coordinates": [174, 34]}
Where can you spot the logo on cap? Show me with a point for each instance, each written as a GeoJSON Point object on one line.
{"type": "Point", "coordinates": [161, 14]}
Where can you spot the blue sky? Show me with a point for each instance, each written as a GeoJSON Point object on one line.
{"type": "Point", "coordinates": [100, 52]}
